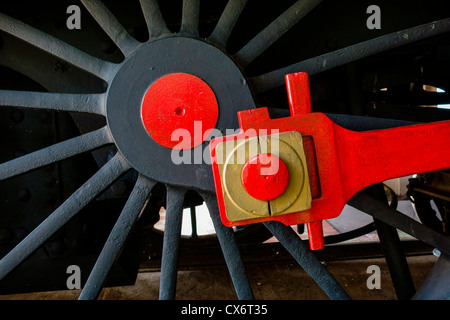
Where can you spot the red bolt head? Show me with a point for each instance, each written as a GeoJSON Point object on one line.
{"type": "Point", "coordinates": [265, 177]}
{"type": "Point", "coordinates": [179, 101]}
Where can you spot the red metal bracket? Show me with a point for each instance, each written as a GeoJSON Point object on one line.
{"type": "Point", "coordinates": [340, 162]}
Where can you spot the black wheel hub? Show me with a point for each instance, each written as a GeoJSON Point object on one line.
{"type": "Point", "coordinates": [129, 85]}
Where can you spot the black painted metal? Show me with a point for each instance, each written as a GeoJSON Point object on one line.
{"type": "Point", "coordinates": [352, 234]}
{"type": "Point", "coordinates": [172, 233]}
{"type": "Point", "coordinates": [330, 239]}
{"type": "Point", "coordinates": [307, 260]}
{"type": "Point", "coordinates": [85, 103]}
{"type": "Point", "coordinates": [393, 251]}
{"type": "Point", "coordinates": [109, 23]}
{"type": "Point", "coordinates": [126, 85]}
{"type": "Point", "coordinates": [130, 84]}
{"type": "Point", "coordinates": [86, 193]}
{"type": "Point", "coordinates": [190, 17]}
{"type": "Point", "coordinates": [56, 47]}
{"type": "Point", "coordinates": [275, 31]}
{"type": "Point", "coordinates": [340, 57]}
{"type": "Point", "coordinates": [360, 123]}
{"type": "Point", "coordinates": [396, 260]}
{"type": "Point", "coordinates": [437, 284]}
{"type": "Point", "coordinates": [274, 252]}
{"type": "Point", "coordinates": [57, 152]}
{"type": "Point", "coordinates": [351, 122]}
{"type": "Point", "coordinates": [155, 22]}
{"type": "Point", "coordinates": [396, 219]}
{"type": "Point", "coordinates": [114, 244]}
{"type": "Point", "coordinates": [230, 250]}
{"type": "Point", "coordinates": [227, 21]}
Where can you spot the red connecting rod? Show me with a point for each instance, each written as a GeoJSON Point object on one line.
{"type": "Point", "coordinates": [339, 162]}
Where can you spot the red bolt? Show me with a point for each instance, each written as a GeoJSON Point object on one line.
{"type": "Point", "coordinates": [265, 177]}
{"type": "Point", "coordinates": [179, 101]}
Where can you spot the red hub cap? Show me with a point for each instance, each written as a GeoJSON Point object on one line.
{"type": "Point", "coordinates": [179, 111]}
{"type": "Point", "coordinates": [265, 177]}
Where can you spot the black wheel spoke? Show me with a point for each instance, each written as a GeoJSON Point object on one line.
{"type": "Point", "coordinates": [275, 30]}
{"type": "Point", "coordinates": [133, 207]}
{"type": "Point", "coordinates": [78, 200]}
{"type": "Point", "coordinates": [230, 250]}
{"type": "Point", "coordinates": [437, 285]}
{"type": "Point", "coordinates": [154, 19]}
{"type": "Point", "coordinates": [54, 153]}
{"type": "Point", "coordinates": [85, 103]}
{"type": "Point", "coordinates": [56, 47]}
{"type": "Point", "coordinates": [172, 233]}
{"type": "Point", "coordinates": [307, 260]}
{"type": "Point", "coordinates": [111, 26]}
{"type": "Point", "coordinates": [349, 54]}
{"type": "Point", "coordinates": [392, 249]}
{"type": "Point", "coordinates": [396, 260]}
{"type": "Point", "coordinates": [190, 17]}
{"type": "Point", "coordinates": [227, 21]}
{"type": "Point", "coordinates": [396, 219]}
{"type": "Point", "coordinates": [82, 83]}
{"type": "Point", "coordinates": [194, 234]}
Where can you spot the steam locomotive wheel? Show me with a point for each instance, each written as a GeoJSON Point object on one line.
{"type": "Point", "coordinates": [144, 101]}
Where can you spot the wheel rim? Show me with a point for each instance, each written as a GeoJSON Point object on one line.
{"type": "Point", "coordinates": [126, 159]}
